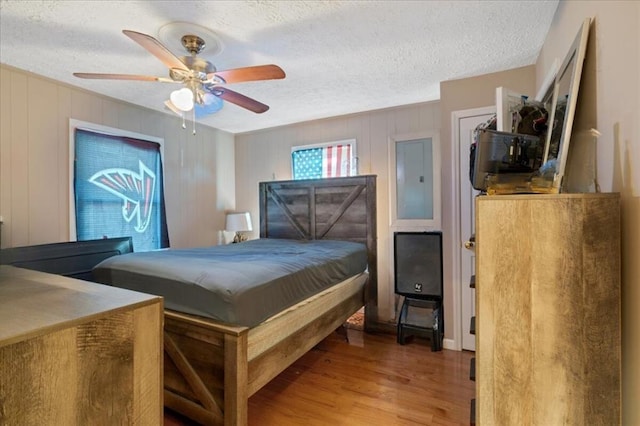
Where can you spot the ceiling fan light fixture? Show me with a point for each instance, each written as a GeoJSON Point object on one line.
{"type": "Point", "coordinates": [210, 105]}
{"type": "Point", "coordinates": [182, 99]}
{"type": "Point", "coordinates": [173, 108]}
{"type": "Point", "coordinates": [202, 92]}
{"type": "Point", "coordinates": [171, 36]}
{"type": "Point", "coordinates": [209, 99]}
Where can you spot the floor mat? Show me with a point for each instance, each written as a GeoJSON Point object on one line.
{"type": "Point", "coordinates": [356, 321]}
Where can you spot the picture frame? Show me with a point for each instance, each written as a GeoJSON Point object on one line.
{"type": "Point", "coordinates": [563, 106]}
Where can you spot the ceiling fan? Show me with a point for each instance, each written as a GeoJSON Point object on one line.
{"type": "Point", "coordinates": [202, 89]}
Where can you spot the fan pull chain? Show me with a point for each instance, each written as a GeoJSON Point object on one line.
{"type": "Point", "coordinates": [194, 120]}
{"type": "Point", "coordinates": [184, 125]}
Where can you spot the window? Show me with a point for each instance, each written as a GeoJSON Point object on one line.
{"type": "Point", "coordinates": [333, 159]}
{"type": "Point", "coordinates": [118, 188]}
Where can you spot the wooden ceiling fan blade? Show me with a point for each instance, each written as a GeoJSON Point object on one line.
{"type": "Point", "coordinates": [157, 49]}
{"type": "Point", "coordinates": [97, 76]}
{"type": "Point", "coordinates": [259, 72]}
{"type": "Point", "coordinates": [240, 100]}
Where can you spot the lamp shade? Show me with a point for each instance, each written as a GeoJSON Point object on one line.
{"type": "Point", "coordinates": [238, 222]}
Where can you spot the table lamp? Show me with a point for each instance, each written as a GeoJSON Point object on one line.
{"type": "Point", "coordinates": [239, 223]}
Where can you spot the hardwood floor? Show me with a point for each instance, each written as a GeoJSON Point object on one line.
{"type": "Point", "coordinates": [367, 380]}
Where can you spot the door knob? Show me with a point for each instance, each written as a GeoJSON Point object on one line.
{"type": "Point", "coordinates": [469, 245]}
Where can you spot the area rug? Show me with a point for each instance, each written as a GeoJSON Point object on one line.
{"type": "Point", "coordinates": [356, 321]}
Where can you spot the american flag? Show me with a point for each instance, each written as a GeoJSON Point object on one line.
{"type": "Point", "coordinates": [322, 162]}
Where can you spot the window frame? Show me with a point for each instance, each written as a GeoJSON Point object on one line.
{"type": "Point", "coordinates": [354, 157]}
{"type": "Point", "coordinates": [106, 130]}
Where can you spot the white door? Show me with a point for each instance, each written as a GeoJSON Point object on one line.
{"type": "Point", "coordinates": [466, 123]}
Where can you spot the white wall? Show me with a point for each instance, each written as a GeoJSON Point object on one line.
{"type": "Point", "coordinates": [610, 100]}
{"type": "Point", "coordinates": [34, 161]}
{"type": "Point", "coordinates": [266, 155]}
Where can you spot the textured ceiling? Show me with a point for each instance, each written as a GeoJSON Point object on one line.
{"type": "Point", "coordinates": [340, 57]}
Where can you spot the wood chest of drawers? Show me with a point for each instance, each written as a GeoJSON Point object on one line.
{"type": "Point", "coordinates": [77, 353]}
{"type": "Point", "coordinates": [548, 337]}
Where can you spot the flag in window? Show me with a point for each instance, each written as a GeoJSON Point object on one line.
{"type": "Point", "coordinates": [322, 162]}
{"type": "Point", "coordinates": [118, 190]}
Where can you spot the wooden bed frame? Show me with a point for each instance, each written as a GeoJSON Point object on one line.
{"type": "Point", "coordinates": [211, 369]}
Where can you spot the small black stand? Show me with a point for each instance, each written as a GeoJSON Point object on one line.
{"type": "Point", "coordinates": [420, 317]}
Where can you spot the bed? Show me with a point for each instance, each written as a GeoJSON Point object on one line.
{"type": "Point", "coordinates": [212, 367]}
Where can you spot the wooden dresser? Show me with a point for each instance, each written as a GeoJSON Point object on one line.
{"type": "Point", "coordinates": [548, 338]}
{"type": "Point", "coordinates": [77, 353]}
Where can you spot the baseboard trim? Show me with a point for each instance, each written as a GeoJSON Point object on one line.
{"type": "Point", "coordinates": [449, 344]}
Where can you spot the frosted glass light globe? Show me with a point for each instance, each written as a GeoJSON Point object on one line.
{"type": "Point", "coordinates": [182, 99]}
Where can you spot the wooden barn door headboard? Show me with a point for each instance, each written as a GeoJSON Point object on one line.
{"type": "Point", "coordinates": [331, 209]}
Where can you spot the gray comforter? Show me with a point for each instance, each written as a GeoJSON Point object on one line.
{"type": "Point", "coordinates": [240, 284]}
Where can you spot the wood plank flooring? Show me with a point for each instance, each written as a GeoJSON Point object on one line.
{"type": "Point", "coordinates": [367, 379]}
